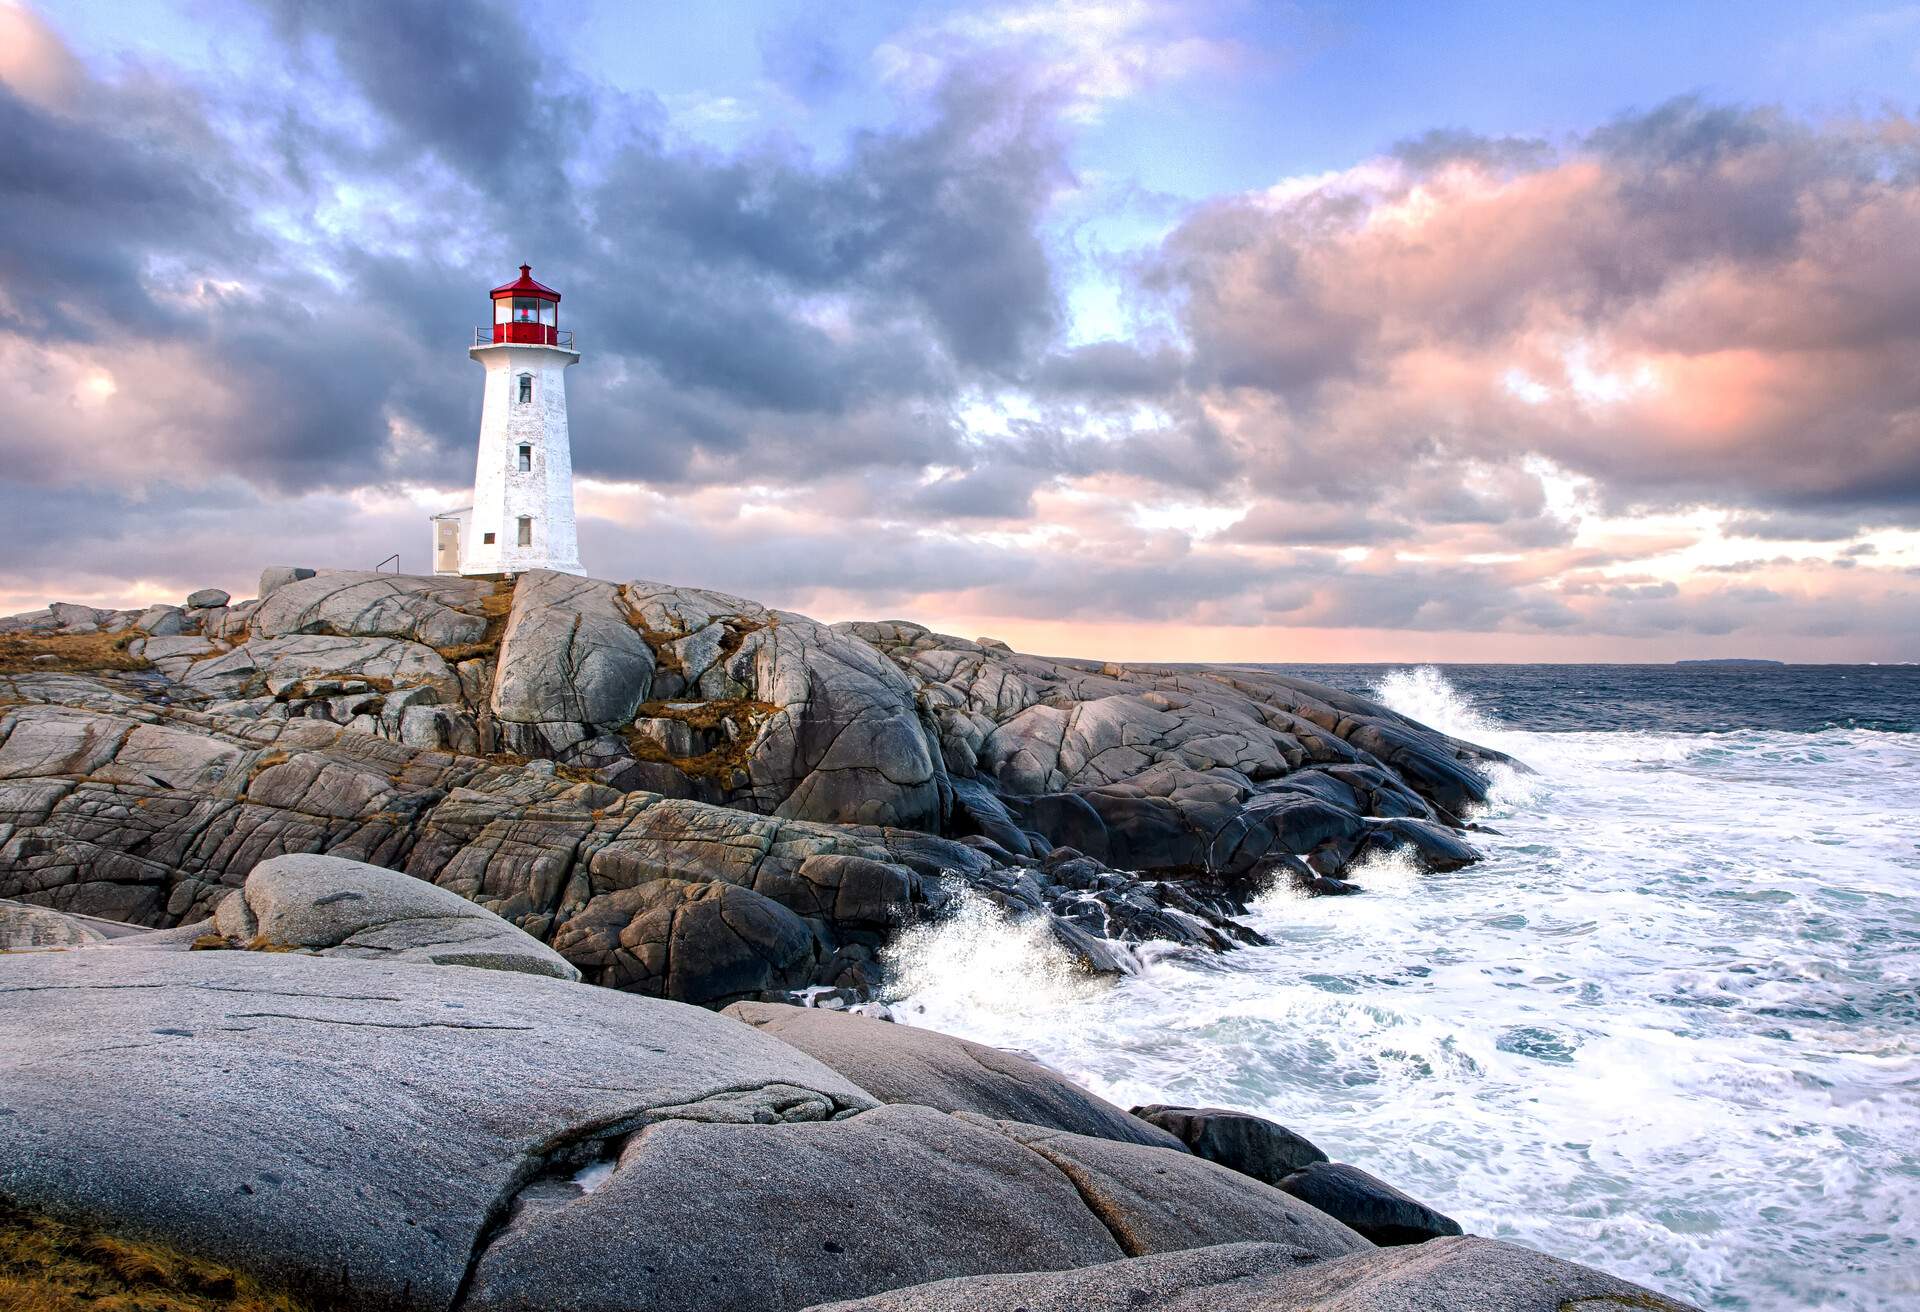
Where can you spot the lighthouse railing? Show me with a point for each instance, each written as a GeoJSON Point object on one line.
{"type": "Point", "coordinates": [484, 336]}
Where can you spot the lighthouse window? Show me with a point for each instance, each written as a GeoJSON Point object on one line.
{"type": "Point", "coordinates": [526, 388]}
{"type": "Point", "coordinates": [526, 459]}
{"type": "Point", "coordinates": [526, 310]}
{"type": "Point", "coordinates": [526, 531]}
{"type": "Point", "coordinates": [487, 538]}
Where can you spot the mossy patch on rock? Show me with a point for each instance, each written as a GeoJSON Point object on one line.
{"type": "Point", "coordinates": [54, 1266]}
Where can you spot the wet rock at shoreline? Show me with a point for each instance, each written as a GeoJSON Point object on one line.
{"type": "Point", "coordinates": [1251, 1145]}
{"type": "Point", "coordinates": [1369, 1204]}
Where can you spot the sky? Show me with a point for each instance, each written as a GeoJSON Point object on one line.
{"type": "Point", "coordinates": [1136, 330]}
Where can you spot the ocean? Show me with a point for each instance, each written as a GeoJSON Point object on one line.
{"type": "Point", "coordinates": [1669, 1027]}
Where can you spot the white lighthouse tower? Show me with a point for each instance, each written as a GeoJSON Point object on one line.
{"type": "Point", "coordinates": [522, 512]}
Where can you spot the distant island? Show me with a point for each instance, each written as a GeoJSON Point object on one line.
{"type": "Point", "coordinates": [1732, 660]}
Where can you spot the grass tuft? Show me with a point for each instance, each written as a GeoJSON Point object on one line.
{"type": "Point", "coordinates": [73, 653]}
{"type": "Point", "coordinates": [53, 1266]}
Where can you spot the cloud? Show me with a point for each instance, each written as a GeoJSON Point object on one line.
{"type": "Point", "coordinates": [1697, 304]}
{"type": "Point", "coordinates": [1543, 390]}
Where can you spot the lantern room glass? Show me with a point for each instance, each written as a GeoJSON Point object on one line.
{"type": "Point", "coordinates": [526, 309]}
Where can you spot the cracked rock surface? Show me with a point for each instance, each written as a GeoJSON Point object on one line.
{"type": "Point", "coordinates": [336, 1126]}
{"type": "Point", "coordinates": [685, 793]}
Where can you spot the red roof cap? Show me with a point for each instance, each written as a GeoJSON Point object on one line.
{"type": "Point", "coordinates": [524, 285]}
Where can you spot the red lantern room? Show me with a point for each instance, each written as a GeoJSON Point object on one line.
{"type": "Point", "coordinates": [527, 311]}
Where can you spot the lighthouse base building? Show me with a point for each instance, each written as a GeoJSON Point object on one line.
{"type": "Point", "coordinates": [522, 512]}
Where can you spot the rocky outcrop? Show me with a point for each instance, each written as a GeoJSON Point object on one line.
{"type": "Point", "coordinates": [152, 813]}
{"type": "Point", "coordinates": [836, 732]}
{"type": "Point", "coordinates": [833, 1208]}
{"type": "Point", "coordinates": [682, 792]}
{"type": "Point", "coordinates": [1156, 1200]}
{"type": "Point", "coordinates": [329, 811]}
{"type": "Point", "coordinates": [318, 666]}
{"type": "Point", "coordinates": [1450, 1275]}
{"type": "Point", "coordinates": [25, 927]}
{"type": "Point", "coordinates": [385, 1135]}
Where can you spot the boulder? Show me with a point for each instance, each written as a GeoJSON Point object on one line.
{"type": "Point", "coordinates": [720, 1217]}
{"type": "Point", "coordinates": [208, 598]}
{"type": "Point", "coordinates": [1155, 1200]}
{"type": "Point", "coordinates": [75, 618]}
{"type": "Point", "coordinates": [1448, 1275]}
{"type": "Point", "coordinates": [161, 621]}
{"type": "Point", "coordinates": [274, 577]}
{"type": "Point", "coordinates": [1369, 1204]}
{"type": "Point", "coordinates": [568, 659]}
{"type": "Point", "coordinates": [1251, 1145]}
{"type": "Point", "coordinates": [340, 908]}
{"type": "Point", "coordinates": [900, 1063]}
{"type": "Point", "coordinates": [704, 941]}
{"type": "Point", "coordinates": [24, 926]}
{"type": "Point", "coordinates": [352, 1130]}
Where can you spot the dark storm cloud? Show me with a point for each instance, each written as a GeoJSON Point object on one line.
{"type": "Point", "coordinates": [758, 311]}
{"type": "Point", "coordinates": [469, 81]}
{"type": "Point", "coordinates": [86, 195]}
{"type": "Point", "coordinates": [995, 491]}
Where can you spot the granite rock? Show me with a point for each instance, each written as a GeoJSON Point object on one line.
{"type": "Point", "coordinates": [339, 908]}
{"type": "Point", "coordinates": [350, 1129]}
{"type": "Point", "coordinates": [900, 1063]}
{"type": "Point", "coordinates": [1448, 1275]}
{"type": "Point", "coordinates": [1251, 1145]}
{"type": "Point", "coordinates": [436, 612]}
{"type": "Point", "coordinates": [1369, 1204]}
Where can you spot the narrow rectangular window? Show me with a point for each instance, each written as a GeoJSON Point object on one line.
{"type": "Point", "coordinates": [526, 531]}
{"type": "Point", "coordinates": [526, 459]}
{"type": "Point", "coordinates": [487, 538]}
{"type": "Point", "coordinates": [526, 388]}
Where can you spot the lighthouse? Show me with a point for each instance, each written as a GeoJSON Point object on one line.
{"type": "Point", "coordinates": [522, 512]}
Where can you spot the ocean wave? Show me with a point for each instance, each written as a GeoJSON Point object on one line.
{"type": "Point", "coordinates": [1668, 1027]}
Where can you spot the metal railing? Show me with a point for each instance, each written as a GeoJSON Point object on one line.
{"type": "Point", "coordinates": [562, 338]}
{"type": "Point", "coordinates": [393, 560]}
